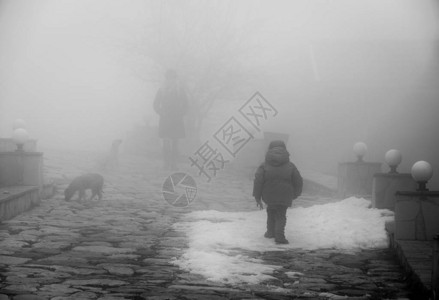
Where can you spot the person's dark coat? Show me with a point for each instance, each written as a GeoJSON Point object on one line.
{"type": "Point", "coordinates": [277, 180]}
{"type": "Point", "coordinates": [171, 104]}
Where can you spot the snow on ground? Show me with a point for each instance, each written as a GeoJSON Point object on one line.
{"type": "Point", "coordinates": [216, 237]}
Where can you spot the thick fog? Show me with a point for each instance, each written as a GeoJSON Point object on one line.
{"type": "Point", "coordinates": [83, 73]}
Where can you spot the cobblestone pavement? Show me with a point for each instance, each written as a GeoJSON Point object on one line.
{"type": "Point", "coordinates": [122, 247]}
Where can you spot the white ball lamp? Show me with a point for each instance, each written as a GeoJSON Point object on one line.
{"type": "Point", "coordinates": [393, 158]}
{"type": "Point", "coordinates": [360, 150]}
{"type": "Point", "coordinates": [20, 137]}
{"type": "Point", "coordinates": [422, 173]}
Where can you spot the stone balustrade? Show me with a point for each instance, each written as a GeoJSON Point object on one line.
{"type": "Point", "coordinates": [17, 199]}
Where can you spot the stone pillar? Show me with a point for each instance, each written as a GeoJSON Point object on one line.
{"type": "Point", "coordinates": [385, 185]}
{"type": "Point", "coordinates": [21, 168]}
{"type": "Point", "coordinates": [416, 215]}
{"type": "Point", "coordinates": [356, 179]}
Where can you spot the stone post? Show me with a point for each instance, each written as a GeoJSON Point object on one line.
{"type": "Point", "coordinates": [21, 168]}
{"type": "Point", "coordinates": [416, 215]}
{"type": "Point", "coordinates": [385, 185]}
{"type": "Point", "coordinates": [356, 178]}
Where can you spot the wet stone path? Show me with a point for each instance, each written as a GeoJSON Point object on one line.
{"type": "Point", "coordinates": [123, 247]}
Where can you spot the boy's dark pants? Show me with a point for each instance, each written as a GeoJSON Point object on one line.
{"type": "Point", "coordinates": [276, 221]}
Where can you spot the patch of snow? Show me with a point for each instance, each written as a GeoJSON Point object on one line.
{"type": "Point", "coordinates": [216, 239]}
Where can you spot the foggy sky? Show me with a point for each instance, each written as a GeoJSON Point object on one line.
{"type": "Point", "coordinates": [339, 71]}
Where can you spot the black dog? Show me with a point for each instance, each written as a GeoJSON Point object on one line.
{"type": "Point", "coordinates": [92, 181]}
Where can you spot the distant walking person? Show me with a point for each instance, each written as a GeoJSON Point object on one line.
{"type": "Point", "coordinates": [277, 182]}
{"type": "Point", "coordinates": [170, 104]}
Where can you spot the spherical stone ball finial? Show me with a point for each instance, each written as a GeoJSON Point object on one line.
{"type": "Point", "coordinates": [20, 136]}
{"type": "Point", "coordinates": [421, 173]}
{"type": "Point", "coordinates": [19, 123]}
{"type": "Point", "coordinates": [393, 158]}
{"type": "Point", "coordinates": [360, 150]}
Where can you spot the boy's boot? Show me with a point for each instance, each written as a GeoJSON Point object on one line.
{"type": "Point", "coordinates": [280, 237]}
{"type": "Point", "coordinates": [279, 230]}
{"type": "Point", "coordinates": [270, 223]}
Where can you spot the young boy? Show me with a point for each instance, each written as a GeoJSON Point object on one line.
{"type": "Point", "coordinates": [277, 182]}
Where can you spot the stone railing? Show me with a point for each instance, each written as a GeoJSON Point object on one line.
{"type": "Point", "coordinates": [17, 199]}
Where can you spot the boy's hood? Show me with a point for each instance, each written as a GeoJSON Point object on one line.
{"type": "Point", "coordinates": [277, 156]}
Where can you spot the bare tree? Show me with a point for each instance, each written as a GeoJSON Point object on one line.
{"type": "Point", "coordinates": [209, 46]}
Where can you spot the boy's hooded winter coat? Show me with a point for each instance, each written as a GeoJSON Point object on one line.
{"type": "Point", "coordinates": [277, 180]}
